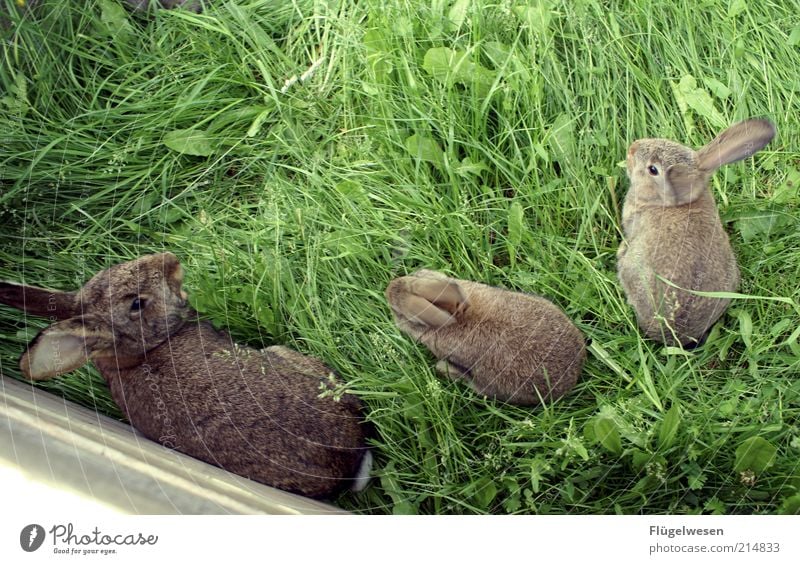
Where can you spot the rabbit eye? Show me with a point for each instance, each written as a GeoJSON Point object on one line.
{"type": "Point", "coordinates": [653, 170]}
{"type": "Point", "coordinates": [137, 304]}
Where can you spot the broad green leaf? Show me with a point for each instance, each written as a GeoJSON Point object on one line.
{"type": "Point", "coordinates": [512, 494]}
{"type": "Point", "coordinates": [588, 432]}
{"type": "Point", "coordinates": [443, 63]}
{"type": "Point", "coordinates": [640, 459]}
{"type": "Point", "coordinates": [755, 454]}
{"type": "Point", "coordinates": [351, 190]}
{"type": "Point", "coordinates": [506, 61]}
{"type": "Point", "coordinates": [736, 7]}
{"type": "Point", "coordinates": [568, 491]}
{"type": "Point", "coordinates": [401, 505]}
{"type": "Point", "coordinates": [794, 37]}
{"type": "Point", "coordinates": [727, 407]}
{"type": "Point", "coordinates": [781, 326]}
{"type": "Point", "coordinates": [694, 475]}
{"type": "Point", "coordinates": [497, 53]}
{"type": "Point", "coordinates": [134, 227]}
{"type": "Point", "coordinates": [485, 493]}
{"type": "Point", "coordinates": [562, 137]}
{"type": "Point", "coordinates": [717, 88]}
{"type": "Point", "coordinates": [404, 508]}
{"type": "Point", "coordinates": [536, 16]}
{"type": "Point", "coordinates": [458, 13]}
{"type": "Point", "coordinates": [787, 191]}
{"type": "Point", "coordinates": [606, 432]}
{"type": "Point", "coordinates": [740, 48]}
{"type": "Point", "coordinates": [541, 152]}
{"type": "Point", "coordinates": [688, 94]}
{"type": "Point", "coordinates": [243, 295]}
{"type": "Point", "coordinates": [669, 427]}
{"type": "Point", "coordinates": [18, 103]}
{"type": "Point", "coordinates": [425, 149]}
{"type": "Point", "coordinates": [377, 53]}
{"type": "Point", "coordinates": [373, 41]}
{"type": "Point", "coordinates": [696, 481]}
{"type": "Point", "coordinates": [573, 445]}
{"type": "Point", "coordinates": [790, 506]}
{"type": "Point", "coordinates": [715, 506]}
{"type": "Point", "coordinates": [793, 342]}
{"type": "Point", "coordinates": [755, 223]}
{"type": "Point", "coordinates": [404, 26]}
{"type": "Point", "coordinates": [265, 316]}
{"type": "Point", "coordinates": [189, 142]}
{"type": "Point", "coordinates": [447, 65]}
{"type": "Point", "coordinates": [467, 167]}
{"type": "Point", "coordinates": [745, 326]}
{"type": "Point", "coordinates": [115, 18]}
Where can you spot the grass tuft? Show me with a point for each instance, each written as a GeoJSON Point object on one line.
{"type": "Point", "coordinates": [298, 155]}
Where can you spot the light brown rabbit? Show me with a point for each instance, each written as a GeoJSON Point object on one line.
{"type": "Point", "coordinates": [672, 229]}
{"type": "Point", "coordinates": [259, 414]}
{"type": "Point", "coordinates": [511, 346]}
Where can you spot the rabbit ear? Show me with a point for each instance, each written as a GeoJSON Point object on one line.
{"type": "Point", "coordinates": [444, 293]}
{"type": "Point", "coordinates": [432, 302]}
{"type": "Point", "coordinates": [38, 301]}
{"type": "Point", "coordinates": [686, 184]}
{"type": "Point", "coordinates": [65, 346]}
{"type": "Point", "coordinates": [736, 143]}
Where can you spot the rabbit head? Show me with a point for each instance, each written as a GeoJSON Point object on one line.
{"type": "Point", "coordinates": [119, 314]}
{"type": "Point", "coordinates": [665, 173]}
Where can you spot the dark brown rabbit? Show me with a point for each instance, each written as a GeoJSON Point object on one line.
{"type": "Point", "coordinates": [511, 346]}
{"type": "Point", "coordinates": [672, 230]}
{"type": "Point", "coordinates": [260, 414]}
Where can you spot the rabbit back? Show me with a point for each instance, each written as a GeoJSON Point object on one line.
{"type": "Point", "coordinates": [530, 353]}
{"type": "Point", "coordinates": [515, 347]}
{"type": "Point", "coordinates": [255, 413]}
{"type": "Point", "coordinates": [690, 248]}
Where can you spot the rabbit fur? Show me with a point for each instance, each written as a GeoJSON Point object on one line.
{"type": "Point", "coordinates": [514, 347]}
{"type": "Point", "coordinates": [180, 382]}
{"type": "Point", "coordinates": [672, 230]}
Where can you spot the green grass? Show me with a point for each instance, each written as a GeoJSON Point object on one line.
{"type": "Point", "coordinates": [483, 139]}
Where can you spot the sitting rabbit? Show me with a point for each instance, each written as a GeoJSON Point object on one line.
{"type": "Point", "coordinates": [511, 346]}
{"type": "Point", "coordinates": [672, 230]}
{"type": "Point", "coordinates": [259, 414]}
